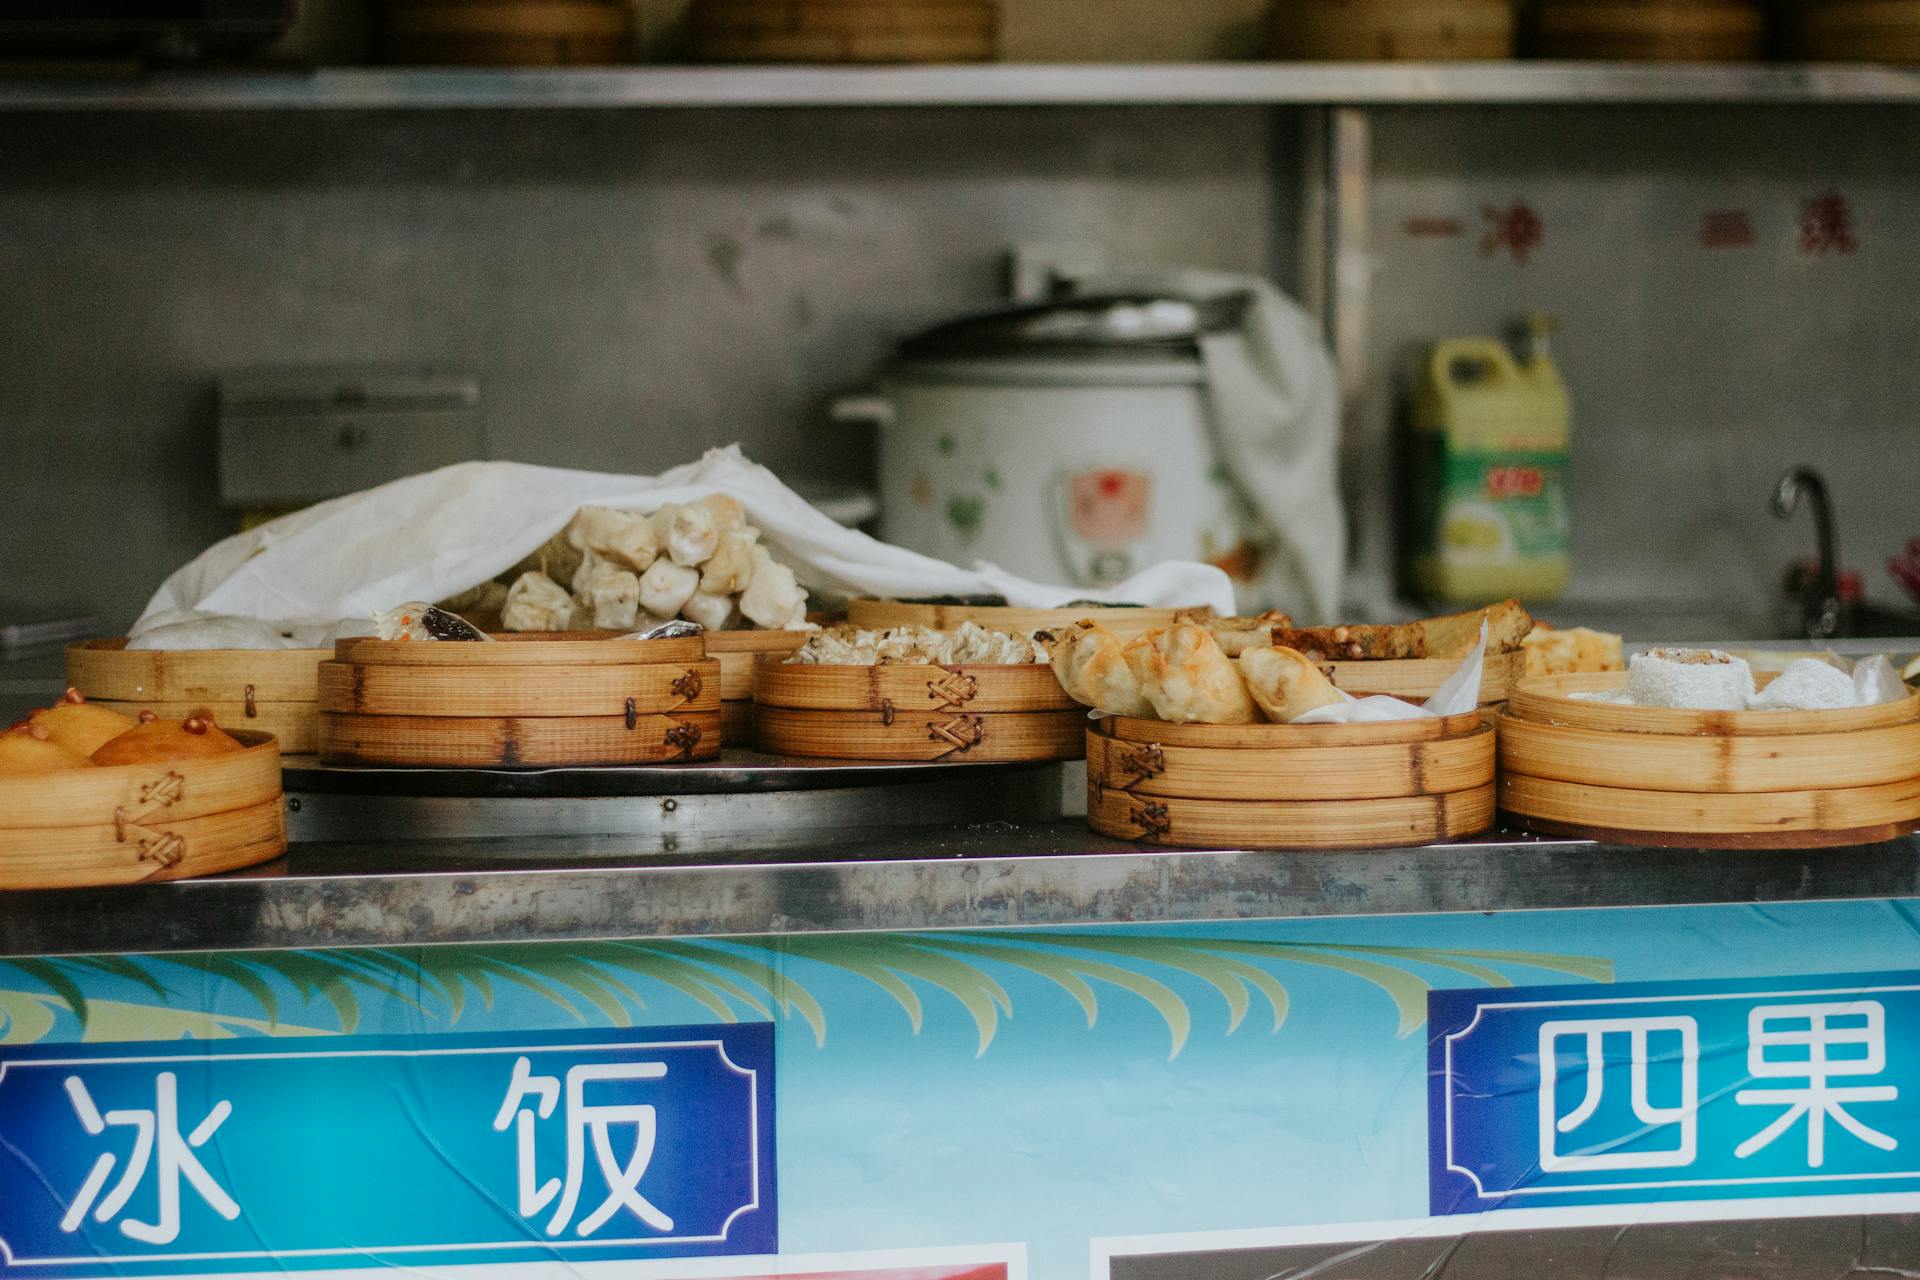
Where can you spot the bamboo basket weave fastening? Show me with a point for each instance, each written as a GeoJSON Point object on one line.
{"type": "Point", "coordinates": [524, 701]}
{"type": "Point", "coordinates": [1371, 785]}
{"type": "Point", "coordinates": [910, 711]}
{"type": "Point", "coordinates": [129, 823]}
{"type": "Point", "coordinates": [266, 690]}
{"type": "Point", "coordinates": [1708, 779]}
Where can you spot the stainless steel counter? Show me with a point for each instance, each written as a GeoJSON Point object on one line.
{"type": "Point", "coordinates": [973, 876]}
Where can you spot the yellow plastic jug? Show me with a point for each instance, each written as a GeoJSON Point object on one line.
{"type": "Point", "coordinates": [1490, 508]}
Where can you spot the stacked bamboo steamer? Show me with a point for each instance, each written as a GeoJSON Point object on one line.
{"type": "Point", "coordinates": [1123, 620]}
{"type": "Point", "coordinates": [530, 33]}
{"type": "Point", "coordinates": [1649, 30]}
{"type": "Point", "coordinates": [1850, 30]}
{"type": "Point", "coordinates": [1705, 779]}
{"type": "Point", "coordinates": [124, 824]}
{"type": "Point", "coordinates": [915, 712]}
{"type": "Point", "coordinates": [272, 691]}
{"type": "Point", "coordinates": [525, 701]}
{"type": "Point", "coordinates": [1390, 30]}
{"type": "Point", "coordinates": [1372, 785]}
{"type": "Point", "coordinates": [736, 652]}
{"type": "Point", "coordinates": [874, 31]}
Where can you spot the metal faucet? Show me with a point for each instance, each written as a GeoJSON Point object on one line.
{"type": "Point", "coordinates": [1819, 608]}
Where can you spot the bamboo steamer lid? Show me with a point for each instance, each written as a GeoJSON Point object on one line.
{"type": "Point", "coordinates": [1650, 30]}
{"type": "Point", "coordinates": [878, 31]}
{"type": "Point", "coordinates": [1392, 30]}
{"type": "Point", "coordinates": [1850, 30]}
{"type": "Point", "coordinates": [508, 32]}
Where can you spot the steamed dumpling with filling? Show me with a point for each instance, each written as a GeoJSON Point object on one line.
{"type": "Point", "coordinates": [715, 613]}
{"type": "Point", "coordinates": [666, 588]}
{"type": "Point", "coordinates": [733, 563]}
{"type": "Point", "coordinates": [687, 534]}
{"type": "Point", "coordinates": [536, 602]}
{"type": "Point", "coordinates": [1088, 659]}
{"type": "Point", "coordinates": [774, 599]}
{"type": "Point", "coordinates": [608, 592]}
{"type": "Point", "coordinates": [628, 540]}
{"type": "Point", "coordinates": [1187, 678]}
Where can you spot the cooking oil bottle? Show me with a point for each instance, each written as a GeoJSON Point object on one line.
{"type": "Point", "coordinates": [1488, 487]}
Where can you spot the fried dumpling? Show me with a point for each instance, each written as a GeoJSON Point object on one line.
{"type": "Point", "coordinates": [536, 602]}
{"type": "Point", "coordinates": [26, 749]}
{"type": "Point", "coordinates": [688, 534]}
{"type": "Point", "coordinates": [1088, 659]}
{"type": "Point", "coordinates": [774, 599]}
{"type": "Point", "coordinates": [1285, 684]}
{"type": "Point", "coordinates": [158, 741]}
{"type": "Point", "coordinates": [79, 725]}
{"type": "Point", "coordinates": [733, 563]}
{"type": "Point", "coordinates": [607, 592]}
{"type": "Point", "coordinates": [1187, 679]}
{"type": "Point", "coordinates": [666, 588]}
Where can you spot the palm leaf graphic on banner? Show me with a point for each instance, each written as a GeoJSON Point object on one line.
{"type": "Point", "coordinates": [980, 971]}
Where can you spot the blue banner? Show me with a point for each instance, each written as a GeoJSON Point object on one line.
{"type": "Point", "coordinates": [501, 1147]}
{"type": "Point", "coordinates": [1674, 1091]}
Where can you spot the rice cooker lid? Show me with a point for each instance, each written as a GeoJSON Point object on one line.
{"type": "Point", "coordinates": [1107, 327]}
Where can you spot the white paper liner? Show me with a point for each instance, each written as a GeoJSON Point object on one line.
{"type": "Point", "coordinates": [1457, 695]}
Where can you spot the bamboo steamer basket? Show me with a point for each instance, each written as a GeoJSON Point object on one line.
{"type": "Point", "coordinates": [526, 701]}
{"type": "Point", "coordinates": [1392, 30]}
{"type": "Point", "coordinates": [130, 823]}
{"type": "Point", "coordinates": [1650, 30]}
{"type": "Point", "coordinates": [1706, 779]}
{"type": "Point", "coordinates": [529, 33]}
{"type": "Point", "coordinates": [915, 712]}
{"type": "Point", "coordinates": [879, 614]}
{"type": "Point", "coordinates": [1419, 678]}
{"type": "Point", "coordinates": [736, 652]}
{"type": "Point", "coordinates": [1385, 784]}
{"type": "Point", "coordinates": [1850, 30]}
{"type": "Point", "coordinates": [272, 691]}
{"type": "Point", "coordinates": [877, 31]}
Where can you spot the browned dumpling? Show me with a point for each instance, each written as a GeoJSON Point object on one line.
{"type": "Point", "coordinates": [159, 741]}
{"type": "Point", "coordinates": [79, 725]}
{"type": "Point", "coordinates": [26, 749]}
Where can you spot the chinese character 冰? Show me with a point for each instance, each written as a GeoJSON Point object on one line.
{"type": "Point", "coordinates": [1517, 229]}
{"type": "Point", "coordinates": [1826, 223]}
{"type": "Point", "coordinates": [1776, 1034]}
{"type": "Point", "coordinates": [157, 1143]}
{"type": "Point", "coordinates": [1678, 1045]}
{"type": "Point", "coordinates": [532, 1098]}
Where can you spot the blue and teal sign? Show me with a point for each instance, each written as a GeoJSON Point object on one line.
{"type": "Point", "coordinates": [466, 1148]}
{"type": "Point", "coordinates": [1674, 1090]}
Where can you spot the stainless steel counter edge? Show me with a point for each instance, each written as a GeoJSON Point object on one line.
{"type": "Point", "coordinates": [980, 877]}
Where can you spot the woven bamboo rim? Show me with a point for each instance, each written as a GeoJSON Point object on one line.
{"type": "Point", "coordinates": [909, 687]}
{"type": "Point", "coordinates": [1544, 699]}
{"type": "Point", "coordinates": [1776, 818]}
{"type": "Point", "coordinates": [66, 857]}
{"type": "Point", "coordinates": [559, 648]}
{"type": "Point", "coordinates": [880, 614]}
{"type": "Point", "coordinates": [952, 736]}
{"type": "Point", "coordinates": [506, 742]}
{"type": "Point", "coordinates": [1329, 773]}
{"type": "Point", "coordinates": [544, 691]}
{"type": "Point", "coordinates": [1324, 824]}
{"type": "Point", "coordinates": [1283, 737]}
{"type": "Point", "coordinates": [175, 789]}
{"type": "Point", "coordinates": [108, 670]}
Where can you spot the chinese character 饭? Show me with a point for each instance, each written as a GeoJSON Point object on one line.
{"type": "Point", "coordinates": [532, 1098]}
{"type": "Point", "coordinates": [1671, 1044]}
{"type": "Point", "coordinates": [1826, 223]}
{"type": "Point", "coordinates": [157, 1144]}
{"type": "Point", "coordinates": [1778, 1036]}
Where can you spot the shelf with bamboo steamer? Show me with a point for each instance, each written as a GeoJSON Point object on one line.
{"type": "Point", "coordinates": [131, 823]}
{"type": "Point", "coordinates": [525, 701]}
{"type": "Point", "coordinates": [876, 615]}
{"type": "Point", "coordinates": [1648, 30]}
{"type": "Point", "coordinates": [1705, 779]}
{"type": "Point", "coordinates": [1381, 784]}
{"type": "Point", "coordinates": [272, 691]}
{"type": "Point", "coordinates": [844, 31]}
{"type": "Point", "coordinates": [1391, 30]}
{"type": "Point", "coordinates": [736, 652]}
{"type": "Point", "coordinates": [915, 712]}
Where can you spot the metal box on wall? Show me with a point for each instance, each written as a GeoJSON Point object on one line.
{"type": "Point", "coordinates": [297, 434]}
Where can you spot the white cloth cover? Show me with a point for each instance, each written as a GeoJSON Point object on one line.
{"type": "Point", "coordinates": [431, 536]}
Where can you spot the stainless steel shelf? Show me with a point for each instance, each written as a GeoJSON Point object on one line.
{"type": "Point", "coordinates": [1305, 84]}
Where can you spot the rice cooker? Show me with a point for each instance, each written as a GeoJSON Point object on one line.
{"type": "Point", "coordinates": [1069, 442]}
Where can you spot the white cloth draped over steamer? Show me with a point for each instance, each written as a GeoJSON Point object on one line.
{"type": "Point", "coordinates": [431, 536]}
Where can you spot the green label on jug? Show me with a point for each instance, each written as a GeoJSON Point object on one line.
{"type": "Point", "coordinates": [1485, 509]}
